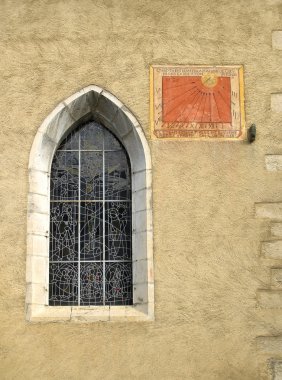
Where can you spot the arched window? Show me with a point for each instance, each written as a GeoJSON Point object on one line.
{"type": "Point", "coordinates": [90, 254]}
{"type": "Point", "coordinates": [89, 224]}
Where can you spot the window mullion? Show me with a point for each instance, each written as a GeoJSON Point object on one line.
{"type": "Point", "coordinates": [104, 223]}
{"type": "Point", "coordinates": [79, 169]}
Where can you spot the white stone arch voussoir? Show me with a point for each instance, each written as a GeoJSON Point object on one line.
{"type": "Point", "coordinates": [91, 103]}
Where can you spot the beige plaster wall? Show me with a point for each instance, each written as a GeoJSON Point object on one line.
{"type": "Point", "coordinates": [207, 241]}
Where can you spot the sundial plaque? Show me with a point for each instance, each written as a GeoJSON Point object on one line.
{"type": "Point", "coordinates": [197, 102]}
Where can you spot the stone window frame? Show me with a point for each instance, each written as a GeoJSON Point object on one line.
{"type": "Point", "coordinates": [90, 103]}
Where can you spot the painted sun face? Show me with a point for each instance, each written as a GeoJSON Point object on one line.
{"type": "Point", "coordinates": [209, 79]}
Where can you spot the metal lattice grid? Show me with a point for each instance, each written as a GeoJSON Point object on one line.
{"type": "Point", "coordinates": [90, 259]}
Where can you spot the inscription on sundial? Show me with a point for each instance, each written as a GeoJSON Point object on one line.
{"type": "Point", "coordinates": [197, 102]}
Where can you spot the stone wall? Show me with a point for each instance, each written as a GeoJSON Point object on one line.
{"type": "Point", "coordinates": [217, 260]}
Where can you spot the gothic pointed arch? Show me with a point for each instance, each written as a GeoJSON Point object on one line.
{"type": "Point", "coordinates": [90, 104]}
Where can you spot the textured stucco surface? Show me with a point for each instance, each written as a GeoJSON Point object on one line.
{"type": "Point", "coordinates": [206, 242]}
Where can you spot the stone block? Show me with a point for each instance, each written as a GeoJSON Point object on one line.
{"type": "Point", "coordinates": [139, 200]}
{"type": "Point", "coordinates": [139, 241]}
{"type": "Point", "coordinates": [135, 150]}
{"type": "Point", "coordinates": [107, 106]}
{"type": "Point", "coordinates": [38, 182]}
{"type": "Point", "coordinates": [93, 93]}
{"type": "Point", "coordinates": [276, 278]}
{"type": "Point", "coordinates": [66, 115]}
{"type": "Point", "coordinates": [143, 271]}
{"type": "Point", "coordinates": [37, 245]}
{"type": "Point", "coordinates": [42, 152]}
{"type": "Point", "coordinates": [38, 223]}
{"type": "Point", "coordinates": [140, 271]}
{"type": "Point", "coordinates": [276, 229]}
{"type": "Point", "coordinates": [273, 162]}
{"type": "Point", "coordinates": [269, 210]}
{"type": "Point", "coordinates": [272, 249]}
{"type": "Point", "coordinates": [78, 105]}
{"type": "Point", "coordinates": [138, 312]}
{"type": "Point", "coordinates": [150, 270]}
{"type": "Point", "coordinates": [276, 102]}
{"type": "Point", "coordinates": [117, 313]}
{"type": "Point", "coordinates": [122, 123]}
{"type": "Point", "coordinates": [143, 245]}
{"type": "Point", "coordinates": [40, 313]}
{"type": "Point", "coordinates": [140, 293]}
{"type": "Point", "coordinates": [270, 344]}
{"type": "Point", "coordinates": [151, 294]}
{"type": "Point", "coordinates": [37, 294]}
{"type": "Point", "coordinates": [142, 179]}
{"type": "Point", "coordinates": [270, 299]}
{"type": "Point", "coordinates": [90, 314]}
{"type": "Point", "coordinates": [139, 308]}
{"type": "Point", "coordinates": [151, 310]}
{"type": "Point", "coordinates": [143, 293]}
{"type": "Point", "coordinates": [36, 269]}
{"type": "Point", "coordinates": [38, 203]}
{"type": "Point", "coordinates": [140, 222]}
{"type": "Point", "coordinates": [57, 124]}
{"type": "Point", "coordinates": [132, 119]}
{"type": "Point", "coordinates": [277, 369]}
{"type": "Point", "coordinates": [146, 148]}
{"type": "Point", "coordinates": [277, 39]}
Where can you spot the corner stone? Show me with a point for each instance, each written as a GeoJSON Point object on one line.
{"type": "Point", "coordinates": [270, 344]}
{"type": "Point", "coordinates": [269, 299]}
{"type": "Point", "coordinates": [276, 278]}
{"type": "Point", "coordinates": [277, 369]}
{"type": "Point", "coordinates": [277, 39]}
{"type": "Point", "coordinates": [272, 249]}
{"type": "Point", "coordinates": [276, 229]}
{"type": "Point", "coordinates": [276, 102]}
{"type": "Point", "coordinates": [273, 162]}
{"type": "Point", "coordinates": [269, 210]}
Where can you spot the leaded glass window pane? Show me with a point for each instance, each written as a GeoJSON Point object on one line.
{"type": "Point", "coordinates": [63, 284]}
{"type": "Point", "coordinates": [118, 283]}
{"type": "Point", "coordinates": [117, 176]}
{"type": "Point", "coordinates": [90, 220]}
{"type": "Point", "coordinates": [63, 231]}
{"type": "Point", "coordinates": [91, 231]}
{"type": "Point", "coordinates": [118, 230]}
{"type": "Point", "coordinates": [91, 175]}
{"type": "Point", "coordinates": [64, 176]}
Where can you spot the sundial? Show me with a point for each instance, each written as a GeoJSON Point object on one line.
{"type": "Point", "coordinates": [197, 102]}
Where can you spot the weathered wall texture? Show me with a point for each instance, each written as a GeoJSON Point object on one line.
{"type": "Point", "coordinates": [207, 240]}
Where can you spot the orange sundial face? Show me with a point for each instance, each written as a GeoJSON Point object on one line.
{"type": "Point", "coordinates": [197, 102]}
{"type": "Point", "coordinates": [196, 99]}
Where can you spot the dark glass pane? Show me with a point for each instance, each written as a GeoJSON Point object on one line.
{"type": "Point", "coordinates": [91, 136]}
{"type": "Point", "coordinates": [91, 175]}
{"type": "Point", "coordinates": [118, 284]}
{"type": "Point", "coordinates": [64, 176]}
{"type": "Point", "coordinates": [63, 231]}
{"type": "Point", "coordinates": [118, 230]}
{"type": "Point", "coordinates": [91, 231]}
{"type": "Point", "coordinates": [71, 142]}
{"type": "Point", "coordinates": [63, 284]}
{"type": "Point", "coordinates": [91, 283]}
{"type": "Point", "coordinates": [88, 156]}
{"type": "Point", "coordinates": [111, 142]}
{"type": "Point", "coordinates": [117, 176]}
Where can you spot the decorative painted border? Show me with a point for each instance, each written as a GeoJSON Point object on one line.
{"type": "Point", "coordinates": [225, 131]}
{"type": "Point", "coordinates": [91, 103]}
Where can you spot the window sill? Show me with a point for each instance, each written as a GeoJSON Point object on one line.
{"type": "Point", "coordinates": [88, 314]}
